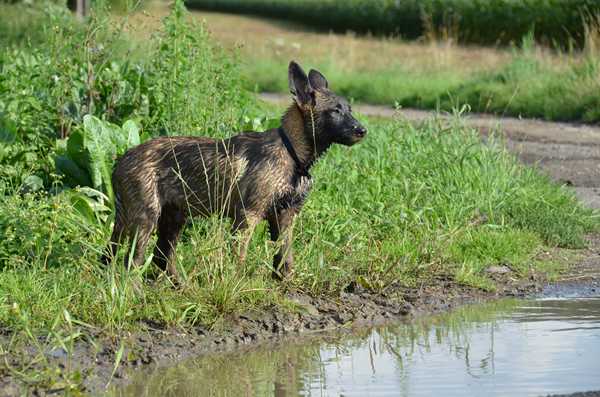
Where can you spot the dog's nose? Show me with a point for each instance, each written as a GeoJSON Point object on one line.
{"type": "Point", "coordinates": [360, 131]}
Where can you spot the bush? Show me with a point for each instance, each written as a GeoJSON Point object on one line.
{"type": "Point", "coordinates": [43, 230]}
{"type": "Point", "coordinates": [186, 85]}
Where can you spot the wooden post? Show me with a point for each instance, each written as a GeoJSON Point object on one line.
{"type": "Point", "coordinates": [81, 8]}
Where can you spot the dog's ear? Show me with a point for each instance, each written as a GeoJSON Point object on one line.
{"type": "Point", "coordinates": [317, 80]}
{"type": "Point", "coordinates": [299, 86]}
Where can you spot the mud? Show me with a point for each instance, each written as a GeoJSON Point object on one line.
{"type": "Point", "coordinates": [568, 153]}
{"type": "Point", "coordinates": [93, 357]}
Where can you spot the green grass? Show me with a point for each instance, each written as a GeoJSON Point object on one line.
{"type": "Point", "coordinates": [20, 24]}
{"type": "Point", "coordinates": [483, 22]}
{"type": "Point", "coordinates": [527, 86]}
{"type": "Point", "coordinates": [405, 205]}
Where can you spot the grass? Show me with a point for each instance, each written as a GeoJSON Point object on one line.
{"type": "Point", "coordinates": [526, 80]}
{"type": "Point", "coordinates": [482, 22]}
{"type": "Point", "coordinates": [409, 204]}
{"type": "Point", "coordinates": [524, 87]}
{"type": "Point", "coordinates": [437, 202]}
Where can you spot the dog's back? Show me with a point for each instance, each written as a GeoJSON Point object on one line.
{"type": "Point", "coordinates": [199, 176]}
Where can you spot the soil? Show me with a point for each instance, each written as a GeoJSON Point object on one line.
{"type": "Point", "coordinates": [568, 153]}
{"type": "Point", "coordinates": [157, 346]}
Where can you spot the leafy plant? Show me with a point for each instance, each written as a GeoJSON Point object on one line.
{"type": "Point", "coordinates": [90, 152]}
{"type": "Point", "coordinates": [91, 204]}
{"type": "Point", "coordinates": [184, 84]}
{"type": "Point", "coordinates": [42, 229]}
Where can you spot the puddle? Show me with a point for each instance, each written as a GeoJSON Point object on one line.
{"type": "Point", "coordinates": [508, 348]}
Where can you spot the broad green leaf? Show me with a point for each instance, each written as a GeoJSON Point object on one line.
{"type": "Point", "coordinates": [101, 148]}
{"type": "Point", "coordinates": [116, 136]}
{"type": "Point", "coordinates": [74, 175]}
{"type": "Point", "coordinates": [33, 183]}
{"type": "Point", "coordinates": [92, 193]}
{"type": "Point", "coordinates": [132, 130]}
{"type": "Point", "coordinates": [82, 204]}
{"type": "Point", "coordinates": [90, 203]}
{"type": "Point", "coordinates": [76, 149]}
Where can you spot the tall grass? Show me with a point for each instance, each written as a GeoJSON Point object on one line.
{"type": "Point", "coordinates": [531, 83]}
{"type": "Point", "coordinates": [407, 205]}
{"type": "Point", "coordinates": [410, 203]}
{"type": "Point", "coordinates": [484, 22]}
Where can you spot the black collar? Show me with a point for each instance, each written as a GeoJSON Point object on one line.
{"type": "Point", "coordinates": [302, 169]}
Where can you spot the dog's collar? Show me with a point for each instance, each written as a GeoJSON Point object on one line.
{"type": "Point", "coordinates": [301, 168]}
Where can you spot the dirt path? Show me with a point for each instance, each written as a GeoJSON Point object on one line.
{"type": "Point", "coordinates": [569, 153]}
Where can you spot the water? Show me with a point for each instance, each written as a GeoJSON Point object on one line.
{"type": "Point", "coordinates": [509, 348]}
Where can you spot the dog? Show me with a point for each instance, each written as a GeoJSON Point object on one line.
{"type": "Point", "coordinates": [249, 177]}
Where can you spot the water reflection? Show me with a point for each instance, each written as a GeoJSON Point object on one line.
{"type": "Point", "coordinates": [507, 348]}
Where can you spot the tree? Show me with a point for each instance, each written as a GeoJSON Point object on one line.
{"type": "Point", "coordinates": [80, 7]}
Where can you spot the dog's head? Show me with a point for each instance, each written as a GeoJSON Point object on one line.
{"type": "Point", "coordinates": [329, 114]}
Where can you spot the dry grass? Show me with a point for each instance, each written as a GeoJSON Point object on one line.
{"type": "Point", "coordinates": [433, 72]}
{"type": "Point", "coordinates": [281, 41]}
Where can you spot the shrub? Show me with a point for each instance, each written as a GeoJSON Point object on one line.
{"type": "Point", "coordinates": [186, 85]}
{"type": "Point", "coordinates": [43, 230]}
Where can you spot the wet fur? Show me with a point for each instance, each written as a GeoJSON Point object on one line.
{"type": "Point", "coordinates": [250, 177]}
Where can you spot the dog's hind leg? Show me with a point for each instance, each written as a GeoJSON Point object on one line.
{"type": "Point", "coordinates": [170, 224]}
{"type": "Point", "coordinates": [281, 227]}
{"type": "Point", "coordinates": [243, 227]}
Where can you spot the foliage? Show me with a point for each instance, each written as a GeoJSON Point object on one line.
{"type": "Point", "coordinates": [90, 152]}
{"type": "Point", "coordinates": [186, 84]}
{"type": "Point", "coordinates": [438, 202]}
{"type": "Point", "coordinates": [483, 22]}
{"type": "Point", "coordinates": [41, 230]}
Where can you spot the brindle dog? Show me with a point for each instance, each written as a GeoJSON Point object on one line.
{"type": "Point", "coordinates": [249, 177]}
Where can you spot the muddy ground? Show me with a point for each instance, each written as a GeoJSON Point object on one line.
{"type": "Point", "coordinates": [569, 153]}
{"type": "Point", "coordinates": [157, 346]}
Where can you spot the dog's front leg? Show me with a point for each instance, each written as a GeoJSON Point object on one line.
{"type": "Point", "coordinates": [281, 226]}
